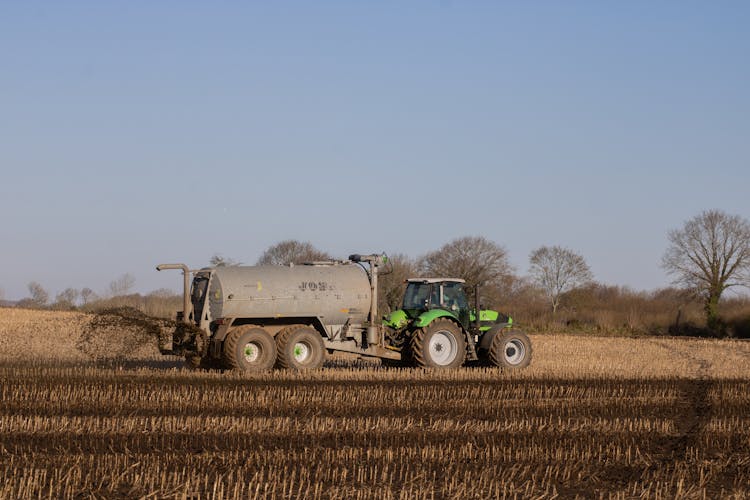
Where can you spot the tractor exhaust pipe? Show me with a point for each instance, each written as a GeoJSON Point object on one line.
{"type": "Point", "coordinates": [477, 319]}
{"type": "Point", "coordinates": [186, 306]}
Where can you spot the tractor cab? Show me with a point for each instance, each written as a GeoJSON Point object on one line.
{"type": "Point", "coordinates": [424, 294]}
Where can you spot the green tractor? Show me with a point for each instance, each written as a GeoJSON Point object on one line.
{"type": "Point", "coordinates": [436, 328]}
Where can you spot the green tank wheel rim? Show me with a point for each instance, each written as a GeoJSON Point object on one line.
{"type": "Point", "coordinates": [301, 352]}
{"type": "Point", "coordinates": [252, 351]}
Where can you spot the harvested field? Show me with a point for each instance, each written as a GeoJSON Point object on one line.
{"type": "Point", "coordinates": [612, 417]}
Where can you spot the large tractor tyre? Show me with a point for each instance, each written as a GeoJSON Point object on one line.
{"type": "Point", "coordinates": [510, 350]}
{"type": "Point", "coordinates": [300, 348]}
{"type": "Point", "coordinates": [439, 345]}
{"type": "Point", "coordinates": [249, 348]}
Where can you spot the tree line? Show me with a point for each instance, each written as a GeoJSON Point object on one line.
{"type": "Point", "coordinates": [708, 255]}
{"type": "Point", "coordinates": [72, 298]}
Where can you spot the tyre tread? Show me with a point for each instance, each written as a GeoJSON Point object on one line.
{"type": "Point", "coordinates": [281, 339]}
{"type": "Point", "coordinates": [496, 353]}
{"type": "Point", "coordinates": [230, 347]}
{"type": "Point", "coordinates": [416, 347]}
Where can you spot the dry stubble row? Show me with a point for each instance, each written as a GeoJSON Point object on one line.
{"type": "Point", "coordinates": [618, 417]}
{"type": "Point", "coordinates": [368, 432]}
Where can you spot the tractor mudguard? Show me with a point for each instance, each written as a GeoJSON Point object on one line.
{"type": "Point", "coordinates": [489, 318]}
{"type": "Point", "coordinates": [428, 317]}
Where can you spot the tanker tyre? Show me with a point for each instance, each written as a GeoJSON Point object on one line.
{"type": "Point", "coordinates": [511, 350]}
{"type": "Point", "coordinates": [439, 345]}
{"type": "Point", "coordinates": [300, 348]}
{"type": "Point", "coordinates": [249, 348]}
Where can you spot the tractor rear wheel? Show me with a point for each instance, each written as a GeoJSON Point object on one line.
{"type": "Point", "coordinates": [300, 348]}
{"type": "Point", "coordinates": [510, 350]}
{"type": "Point", "coordinates": [439, 345]}
{"type": "Point", "coordinates": [249, 348]}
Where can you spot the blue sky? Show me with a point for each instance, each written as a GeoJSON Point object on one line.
{"type": "Point", "coordinates": [134, 133]}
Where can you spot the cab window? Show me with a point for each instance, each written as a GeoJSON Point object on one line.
{"type": "Point", "coordinates": [453, 294]}
{"type": "Point", "coordinates": [416, 294]}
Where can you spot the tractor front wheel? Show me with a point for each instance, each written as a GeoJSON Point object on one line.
{"type": "Point", "coordinates": [439, 345]}
{"type": "Point", "coordinates": [510, 350]}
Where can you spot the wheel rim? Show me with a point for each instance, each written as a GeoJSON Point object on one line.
{"type": "Point", "coordinates": [443, 347]}
{"type": "Point", "coordinates": [301, 352]}
{"type": "Point", "coordinates": [252, 351]}
{"type": "Point", "coordinates": [514, 352]}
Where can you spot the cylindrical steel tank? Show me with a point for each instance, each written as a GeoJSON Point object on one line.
{"type": "Point", "coordinates": [333, 292]}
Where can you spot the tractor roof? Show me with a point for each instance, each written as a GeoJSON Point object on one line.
{"type": "Point", "coordinates": [435, 280]}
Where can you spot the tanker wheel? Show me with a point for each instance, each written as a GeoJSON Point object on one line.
{"type": "Point", "coordinates": [300, 348]}
{"type": "Point", "coordinates": [510, 350]}
{"type": "Point", "coordinates": [440, 345]}
{"type": "Point", "coordinates": [249, 348]}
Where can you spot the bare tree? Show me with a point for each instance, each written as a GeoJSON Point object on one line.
{"type": "Point", "coordinates": [473, 258]}
{"type": "Point", "coordinates": [291, 252]}
{"type": "Point", "coordinates": [87, 295]}
{"type": "Point", "coordinates": [558, 270]}
{"type": "Point", "coordinates": [399, 268]}
{"type": "Point", "coordinates": [710, 253]}
{"type": "Point", "coordinates": [122, 285]}
{"type": "Point", "coordinates": [39, 296]}
{"type": "Point", "coordinates": [67, 299]}
{"type": "Point", "coordinates": [219, 260]}
{"type": "Point", "coordinates": [2, 295]}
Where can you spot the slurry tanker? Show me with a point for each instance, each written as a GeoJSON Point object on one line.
{"type": "Point", "coordinates": [255, 318]}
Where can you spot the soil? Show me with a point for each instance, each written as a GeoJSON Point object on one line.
{"type": "Point", "coordinates": [121, 333]}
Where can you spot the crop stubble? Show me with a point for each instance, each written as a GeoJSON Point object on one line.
{"type": "Point", "coordinates": [618, 417]}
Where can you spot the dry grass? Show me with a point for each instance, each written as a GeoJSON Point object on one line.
{"type": "Point", "coordinates": [612, 417]}
{"type": "Point", "coordinates": [595, 357]}
{"type": "Point", "coordinates": [614, 310]}
{"type": "Point", "coordinates": [26, 333]}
